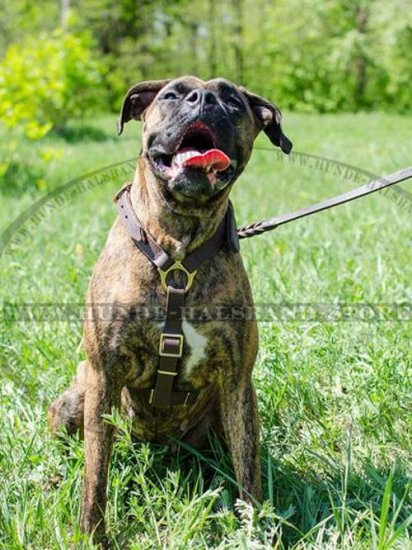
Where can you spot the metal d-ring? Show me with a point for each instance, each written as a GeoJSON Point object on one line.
{"type": "Point", "coordinates": [177, 266]}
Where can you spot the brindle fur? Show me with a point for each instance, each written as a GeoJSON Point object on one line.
{"type": "Point", "coordinates": [122, 354]}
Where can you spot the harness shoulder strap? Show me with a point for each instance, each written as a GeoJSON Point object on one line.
{"type": "Point", "coordinates": [144, 242]}
{"type": "Point", "coordinates": [225, 234]}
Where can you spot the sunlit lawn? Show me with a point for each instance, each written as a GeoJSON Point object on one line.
{"type": "Point", "coordinates": [335, 397]}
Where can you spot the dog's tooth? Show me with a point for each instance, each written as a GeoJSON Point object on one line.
{"type": "Point", "coordinates": [189, 154]}
{"type": "Point", "coordinates": [177, 159]}
{"type": "Point", "coordinates": [181, 158]}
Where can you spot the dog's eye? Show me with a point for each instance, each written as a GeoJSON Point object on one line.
{"type": "Point", "coordinates": [234, 102]}
{"type": "Point", "coordinates": [169, 95]}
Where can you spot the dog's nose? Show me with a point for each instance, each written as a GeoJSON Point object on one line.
{"type": "Point", "coordinates": [201, 97]}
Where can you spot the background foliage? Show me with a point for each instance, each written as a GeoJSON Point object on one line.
{"type": "Point", "coordinates": [321, 55]}
{"type": "Point", "coordinates": [46, 79]}
{"type": "Point", "coordinates": [59, 60]}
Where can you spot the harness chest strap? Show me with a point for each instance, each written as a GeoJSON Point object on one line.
{"type": "Point", "coordinates": [171, 342]}
{"type": "Point", "coordinates": [170, 351]}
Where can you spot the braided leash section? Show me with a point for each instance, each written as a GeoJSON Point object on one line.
{"type": "Point", "coordinates": [252, 229]}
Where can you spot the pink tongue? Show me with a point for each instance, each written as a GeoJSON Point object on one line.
{"type": "Point", "coordinates": [214, 159]}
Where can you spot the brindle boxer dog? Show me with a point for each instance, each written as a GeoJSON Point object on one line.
{"type": "Point", "coordinates": [180, 202]}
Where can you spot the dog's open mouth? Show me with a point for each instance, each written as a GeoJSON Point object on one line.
{"type": "Point", "coordinates": [197, 151]}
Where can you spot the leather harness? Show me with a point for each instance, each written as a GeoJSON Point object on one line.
{"type": "Point", "coordinates": [172, 338]}
{"type": "Point", "coordinates": [171, 342]}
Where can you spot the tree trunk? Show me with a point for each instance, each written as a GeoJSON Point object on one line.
{"type": "Point", "coordinates": [212, 39]}
{"type": "Point", "coordinates": [64, 14]}
{"type": "Point", "coordinates": [194, 35]}
{"type": "Point", "coordinates": [361, 62]}
{"type": "Point", "coordinates": [238, 12]}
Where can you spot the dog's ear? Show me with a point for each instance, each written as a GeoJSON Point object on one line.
{"type": "Point", "coordinates": [137, 99]}
{"type": "Point", "coordinates": [268, 118]}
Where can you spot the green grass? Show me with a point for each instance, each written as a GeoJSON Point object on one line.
{"type": "Point", "coordinates": [335, 397]}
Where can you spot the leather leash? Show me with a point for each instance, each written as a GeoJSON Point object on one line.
{"type": "Point", "coordinates": [258, 228]}
{"type": "Point", "coordinates": [171, 342]}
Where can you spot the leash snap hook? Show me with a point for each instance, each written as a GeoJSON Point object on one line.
{"type": "Point", "coordinates": [177, 266]}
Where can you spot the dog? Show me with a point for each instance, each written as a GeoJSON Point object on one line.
{"type": "Point", "coordinates": [197, 139]}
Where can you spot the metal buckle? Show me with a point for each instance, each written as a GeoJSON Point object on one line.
{"type": "Point", "coordinates": [179, 337]}
{"type": "Point", "coordinates": [177, 266]}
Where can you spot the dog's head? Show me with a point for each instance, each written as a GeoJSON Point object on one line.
{"type": "Point", "coordinates": [197, 135]}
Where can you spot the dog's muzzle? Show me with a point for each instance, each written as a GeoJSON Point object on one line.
{"type": "Point", "coordinates": [195, 164]}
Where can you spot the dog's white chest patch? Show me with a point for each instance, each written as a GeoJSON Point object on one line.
{"type": "Point", "coordinates": [197, 343]}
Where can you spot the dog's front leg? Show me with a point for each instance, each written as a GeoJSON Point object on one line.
{"type": "Point", "coordinates": [240, 420]}
{"type": "Point", "coordinates": [101, 396]}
